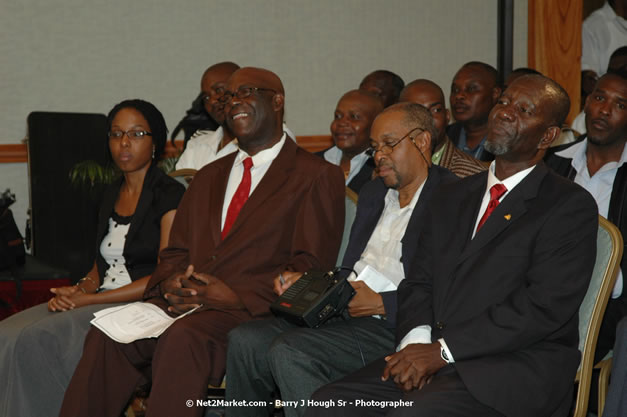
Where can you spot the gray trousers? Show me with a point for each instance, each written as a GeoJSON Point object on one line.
{"type": "Point", "coordinates": [272, 355]}
{"type": "Point", "coordinates": [38, 353]}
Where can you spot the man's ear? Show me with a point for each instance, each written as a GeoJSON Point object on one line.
{"type": "Point", "coordinates": [549, 136]}
{"type": "Point", "coordinates": [423, 141]}
{"type": "Point", "coordinates": [448, 117]}
{"type": "Point", "coordinates": [277, 101]}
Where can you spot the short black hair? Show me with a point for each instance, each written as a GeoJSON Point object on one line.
{"type": "Point", "coordinates": [492, 72]}
{"type": "Point", "coordinates": [152, 115]}
{"type": "Point", "coordinates": [389, 81]}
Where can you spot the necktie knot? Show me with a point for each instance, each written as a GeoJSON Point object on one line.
{"type": "Point", "coordinates": [248, 163]}
{"type": "Point", "coordinates": [497, 191]}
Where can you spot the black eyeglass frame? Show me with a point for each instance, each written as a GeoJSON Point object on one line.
{"type": "Point", "coordinates": [242, 92]}
{"type": "Point", "coordinates": [131, 134]}
{"type": "Point", "coordinates": [390, 148]}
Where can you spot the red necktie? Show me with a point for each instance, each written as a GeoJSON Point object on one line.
{"type": "Point", "coordinates": [496, 192]}
{"type": "Point", "coordinates": [239, 198]}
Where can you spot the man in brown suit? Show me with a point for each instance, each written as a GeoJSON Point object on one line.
{"type": "Point", "coordinates": [429, 95]}
{"type": "Point", "coordinates": [291, 218]}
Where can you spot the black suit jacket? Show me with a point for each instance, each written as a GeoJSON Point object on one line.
{"type": "Point", "coordinates": [506, 302]}
{"type": "Point", "coordinates": [369, 209]}
{"type": "Point", "coordinates": [361, 178]}
{"type": "Point", "coordinates": [160, 194]}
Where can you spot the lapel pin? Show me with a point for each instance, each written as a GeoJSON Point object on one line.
{"type": "Point", "coordinates": [508, 216]}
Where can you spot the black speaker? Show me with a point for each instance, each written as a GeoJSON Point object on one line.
{"type": "Point", "coordinates": [64, 215]}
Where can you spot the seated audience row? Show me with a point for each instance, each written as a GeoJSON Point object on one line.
{"type": "Point", "coordinates": [467, 291]}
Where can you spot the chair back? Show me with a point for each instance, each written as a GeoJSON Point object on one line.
{"type": "Point", "coordinates": [607, 264]}
{"type": "Point", "coordinates": [184, 176]}
{"type": "Point", "coordinates": [350, 210]}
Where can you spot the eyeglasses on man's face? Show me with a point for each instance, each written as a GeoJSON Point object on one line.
{"type": "Point", "coordinates": [242, 92]}
{"type": "Point", "coordinates": [218, 91]}
{"type": "Point", "coordinates": [388, 148]}
{"type": "Point", "coordinates": [132, 134]}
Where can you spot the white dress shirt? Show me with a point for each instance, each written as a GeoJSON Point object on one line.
{"type": "Point", "coordinates": [599, 185]}
{"type": "Point", "coordinates": [422, 334]}
{"type": "Point", "coordinates": [602, 33]}
{"type": "Point", "coordinates": [384, 249]}
{"type": "Point", "coordinates": [334, 156]}
{"type": "Point", "coordinates": [261, 162]}
{"type": "Point", "coordinates": [202, 148]}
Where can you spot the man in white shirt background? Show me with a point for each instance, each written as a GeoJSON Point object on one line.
{"type": "Point", "coordinates": [597, 163]}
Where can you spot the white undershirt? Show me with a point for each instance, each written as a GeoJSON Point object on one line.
{"type": "Point", "coordinates": [261, 162]}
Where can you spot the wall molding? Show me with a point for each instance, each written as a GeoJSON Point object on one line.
{"type": "Point", "coordinates": [12, 153]}
{"type": "Point", "coordinates": [17, 152]}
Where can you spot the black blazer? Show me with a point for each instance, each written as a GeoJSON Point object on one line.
{"type": "Point", "coordinates": [507, 301]}
{"type": "Point", "coordinates": [369, 209]}
{"type": "Point", "coordinates": [160, 194]}
{"type": "Point", "coordinates": [362, 177]}
{"type": "Point", "coordinates": [454, 131]}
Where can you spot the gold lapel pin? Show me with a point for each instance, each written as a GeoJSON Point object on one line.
{"type": "Point", "coordinates": [508, 216]}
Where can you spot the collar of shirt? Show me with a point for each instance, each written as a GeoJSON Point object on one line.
{"type": "Point", "coordinates": [334, 156]}
{"type": "Point", "coordinates": [261, 158]}
{"type": "Point", "coordinates": [436, 157]}
{"type": "Point", "coordinates": [510, 183]}
{"type": "Point", "coordinates": [580, 162]}
{"type": "Point", "coordinates": [464, 146]}
{"type": "Point", "coordinates": [392, 198]}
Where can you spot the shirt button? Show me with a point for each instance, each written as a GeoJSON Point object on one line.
{"type": "Point", "coordinates": [440, 325]}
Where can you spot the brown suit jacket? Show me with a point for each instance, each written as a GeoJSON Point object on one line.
{"type": "Point", "coordinates": [459, 162]}
{"type": "Point", "coordinates": [293, 220]}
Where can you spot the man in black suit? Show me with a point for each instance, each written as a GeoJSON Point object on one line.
{"type": "Point", "coordinates": [297, 360]}
{"type": "Point", "coordinates": [488, 315]}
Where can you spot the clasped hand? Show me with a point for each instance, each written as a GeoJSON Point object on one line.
{"type": "Point", "coordinates": [192, 289]}
{"type": "Point", "coordinates": [413, 366]}
{"type": "Point", "coordinates": [67, 298]}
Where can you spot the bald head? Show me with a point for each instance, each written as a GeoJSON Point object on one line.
{"type": "Point", "coordinates": [212, 84]}
{"type": "Point", "coordinates": [429, 95]}
{"type": "Point", "coordinates": [384, 84]}
{"type": "Point", "coordinates": [352, 119]}
{"type": "Point", "coordinates": [555, 97]}
{"type": "Point", "coordinates": [254, 100]}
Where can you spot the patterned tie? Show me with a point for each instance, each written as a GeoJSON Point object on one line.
{"type": "Point", "coordinates": [496, 192]}
{"type": "Point", "coordinates": [239, 198]}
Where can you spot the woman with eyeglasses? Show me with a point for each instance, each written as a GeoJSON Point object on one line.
{"type": "Point", "coordinates": [40, 347]}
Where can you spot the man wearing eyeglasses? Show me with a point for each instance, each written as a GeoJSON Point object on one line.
{"type": "Point", "coordinates": [205, 146]}
{"type": "Point", "coordinates": [270, 355]}
{"type": "Point", "coordinates": [487, 320]}
{"type": "Point", "coordinates": [268, 208]}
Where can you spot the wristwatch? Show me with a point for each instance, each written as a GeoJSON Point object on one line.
{"type": "Point", "coordinates": [443, 354]}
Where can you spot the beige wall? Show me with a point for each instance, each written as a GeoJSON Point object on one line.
{"type": "Point", "coordinates": [85, 56]}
